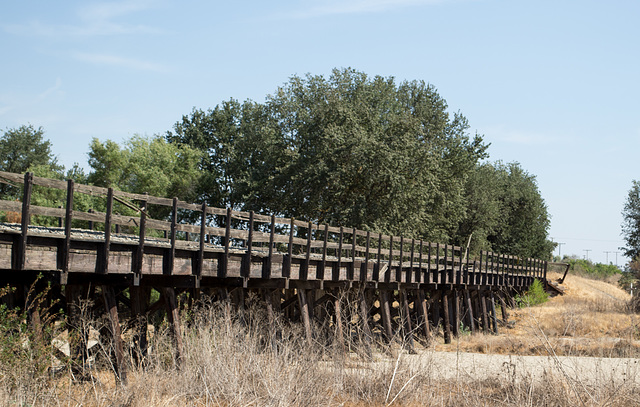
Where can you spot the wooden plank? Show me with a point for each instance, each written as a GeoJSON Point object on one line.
{"type": "Point", "coordinates": [246, 266]}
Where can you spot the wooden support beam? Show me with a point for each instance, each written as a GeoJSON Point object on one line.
{"type": "Point", "coordinates": [364, 318]}
{"type": "Point", "coordinates": [485, 319]}
{"type": "Point", "coordinates": [173, 314]}
{"type": "Point", "coordinates": [385, 311]}
{"type": "Point", "coordinates": [456, 312]}
{"type": "Point", "coordinates": [423, 312]}
{"type": "Point", "coordinates": [406, 319]}
{"type": "Point", "coordinates": [139, 300]}
{"type": "Point", "coordinates": [120, 367]}
{"type": "Point", "coordinates": [469, 311]}
{"type": "Point", "coordinates": [503, 309]}
{"type": "Point", "coordinates": [305, 312]}
{"type": "Point", "coordinates": [494, 317]}
{"type": "Point", "coordinates": [446, 321]}
{"type": "Point", "coordinates": [337, 307]}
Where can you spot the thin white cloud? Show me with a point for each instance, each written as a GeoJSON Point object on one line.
{"type": "Point", "coordinates": [55, 88]}
{"type": "Point", "coordinates": [95, 20]}
{"type": "Point", "coordinates": [523, 138]}
{"type": "Point", "coordinates": [335, 7]}
{"type": "Point", "coordinates": [118, 61]}
{"type": "Point", "coordinates": [21, 101]}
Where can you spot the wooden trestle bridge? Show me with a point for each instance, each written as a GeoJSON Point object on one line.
{"type": "Point", "coordinates": [401, 285]}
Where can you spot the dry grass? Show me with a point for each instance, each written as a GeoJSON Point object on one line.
{"type": "Point", "coordinates": [240, 360]}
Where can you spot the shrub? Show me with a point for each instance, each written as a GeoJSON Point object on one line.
{"type": "Point", "coordinates": [535, 295]}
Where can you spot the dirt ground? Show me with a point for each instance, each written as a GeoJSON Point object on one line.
{"type": "Point", "coordinates": [587, 334]}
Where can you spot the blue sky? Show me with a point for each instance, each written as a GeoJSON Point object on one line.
{"type": "Point", "coordinates": [552, 85]}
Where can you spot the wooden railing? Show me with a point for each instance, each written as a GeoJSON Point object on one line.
{"type": "Point", "coordinates": [337, 253]}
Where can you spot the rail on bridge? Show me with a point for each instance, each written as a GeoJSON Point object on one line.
{"type": "Point", "coordinates": [401, 284]}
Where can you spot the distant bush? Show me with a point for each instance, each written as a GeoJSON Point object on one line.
{"type": "Point", "coordinates": [586, 268]}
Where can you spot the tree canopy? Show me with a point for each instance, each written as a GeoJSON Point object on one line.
{"type": "Point", "coordinates": [348, 149]}
{"type": "Point", "coordinates": [631, 222]}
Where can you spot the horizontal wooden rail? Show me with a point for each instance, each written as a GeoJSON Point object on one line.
{"type": "Point", "coordinates": [367, 256]}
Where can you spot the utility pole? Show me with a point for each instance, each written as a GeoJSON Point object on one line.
{"type": "Point", "coordinates": [616, 258]}
{"type": "Point", "coordinates": [587, 255]}
{"type": "Point", "coordinates": [560, 249]}
{"type": "Point", "coordinates": [607, 253]}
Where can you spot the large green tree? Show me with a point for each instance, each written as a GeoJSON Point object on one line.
{"type": "Point", "coordinates": [631, 222]}
{"type": "Point", "coordinates": [348, 149]}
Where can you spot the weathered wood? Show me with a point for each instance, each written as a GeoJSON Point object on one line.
{"type": "Point", "coordinates": [494, 317]}
{"type": "Point", "coordinates": [173, 314]}
{"type": "Point", "coordinates": [364, 321]}
{"type": "Point", "coordinates": [446, 321]}
{"type": "Point", "coordinates": [406, 319]}
{"type": "Point", "coordinates": [139, 300]}
{"type": "Point", "coordinates": [337, 308]}
{"type": "Point", "coordinates": [305, 312]}
{"type": "Point", "coordinates": [456, 312]}
{"type": "Point", "coordinates": [385, 313]}
{"type": "Point", "coordinates": [469, 311]}
{"type": "Point", "coordinates": [423, 314]}
{"type": "Point", "coordinates": [120, 367]}
{"type": "Point", "coordinates": [66, 245]}
{"type": "Point", "coordinates": [485, 319]}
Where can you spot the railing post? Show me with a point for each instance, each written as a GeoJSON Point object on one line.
{"type": "Point", "coordinates": [20, 254]}
{"type": "Point", "coordinates": [137, 272]}
{"type": "Point", "coordinates": [171, 254]}
{"type": "Point", "coordinates": [66, 246]}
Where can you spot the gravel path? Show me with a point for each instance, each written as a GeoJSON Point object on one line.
{"type": "Point", "coordinates": [476, 366]}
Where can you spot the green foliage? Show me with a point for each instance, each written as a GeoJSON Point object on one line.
{"type": "Point", "coordinates": [145, 165]}
{"type": "Point", "coordinates": [631, 222]}
{"type": "Point", "coordinates": [535, 295]}
{"type": "Point", "coordinates": [20, 150]}
{"type": "Point", "coordinates": [348, 149]}
{"type": "Point", "coordinates": [505, 212]}
{"type": "Point", "coordinates": [593, 270]}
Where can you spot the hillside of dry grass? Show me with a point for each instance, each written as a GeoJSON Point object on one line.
{"type": "Point", "coordinates": [592, 318]}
